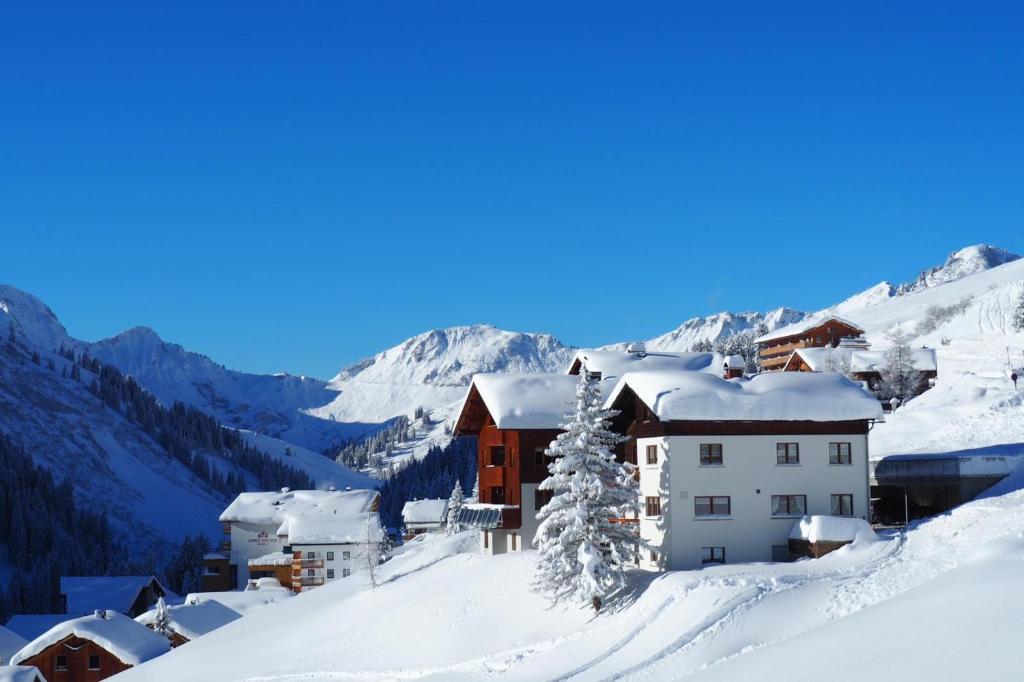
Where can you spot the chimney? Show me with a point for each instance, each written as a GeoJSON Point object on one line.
{"type": "Point", "coordinates": [734, 366]}
{"type": "Point", "coordinates": [286, 489]}
{"type": "Point", "coordinates": [101, 613]}
{"type": "Point", "coordinates": [637, 348]}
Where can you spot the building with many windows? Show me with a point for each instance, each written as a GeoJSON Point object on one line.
{"type": "Point", "coordinates": [728, 466]}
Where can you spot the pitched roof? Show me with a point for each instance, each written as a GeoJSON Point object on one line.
{"type": "Point", "coordinates": [521, 401]}
{"type": "Point", "coordinates": [32, 625]}
{"type": "Point", "coordinates": [86, 594]}
{"type": "Point", "coordinates": [20, 673]}
{"type": "Point", "coordinates": [776, 396]}
{"type": "Point", "coordinates": [278, 507]}
{"type": "Point", "coordinates": [194, 620]}
{"type": "Point", "coordinates": [923, 359]}
{"type": "Point", "coordinates": [424, 511]}
{"type": "Point", "coordinates": [805, 325]}
{"type": "Point", "coordinates": [330, 529]}
{"type": "Point", "coordinates": [612, 364]}
{"type": "Point", "coordinates": [129, 641]}
{"type": "Point", "coordinates": [10, 642]}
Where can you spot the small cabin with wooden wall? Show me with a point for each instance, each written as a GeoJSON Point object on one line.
{"type": "Point", "coordinates": [92, 648]}
{"type": "Point", "coordinates": [775, 348]}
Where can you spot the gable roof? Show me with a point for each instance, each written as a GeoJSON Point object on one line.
{"type": "Point", "coordinates": [86, 594]}
{"type": "Point", "coordinates": [517, 401]}
{"type": "Point", "coordinates": [29, 626]}
{"type": "Point", "coordinates": [776, 396]}
{"type": "Point", "coordinates": [279, 507]}
{"type": "Point", "coordinates": [923, 359]}
{"type": "Point", "coordinates": [424, 511]}
{"type": "Point", "coordinates": [805, 325]}
{"type": "Point", "coordinates": [20, 673]}
{"type": "Point", "coordinates": [10, 643]}
{"type": "Point", "coordinates": [330, 529]}
{"type": "Point", "coordinates": [612, 364]}
{"type": "Point", "coordinates": [129, 641]}
{"type": "Point", "coordinates": [194, 620]}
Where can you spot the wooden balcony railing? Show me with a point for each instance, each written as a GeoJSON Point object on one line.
{"type": "Point", "coordinates": [492, 477]}
{"type": "Point", "coordinates": [309, 563]}
{"type": "Point", "coordinates": [307, 582]}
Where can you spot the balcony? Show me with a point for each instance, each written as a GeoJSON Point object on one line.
{"type": "Point", "coordinates": [307, 582]}
{"type": "Point", "coordinates": [309, 563]}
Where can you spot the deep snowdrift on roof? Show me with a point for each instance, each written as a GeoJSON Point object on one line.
{"type": "Point", "coordinates": [424, 511]}
{"type": "Point", "coordinates": [778, 396]}
{"type": "Point", "coordinates": [527, 401]}
{"type": "Point", "coordinates": [818, 528]}
{"type": "Point", "coordinates": [612, 364]}
{"type": "Point", "coordinates": [194, 620]}
{"type": "Point", "coordinates": [120, 635]}
{"type": "Point", "coordinates": [277, 507]}
{"type": "Point", "coordinates": [86, 594]}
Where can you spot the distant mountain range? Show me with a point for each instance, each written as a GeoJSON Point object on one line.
{"type": "Point", "coordinates": [295, 417]}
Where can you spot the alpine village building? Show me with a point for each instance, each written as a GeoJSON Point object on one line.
{"type": "Point", "coordinates": [726, 464]}
{"type": "Point", "coordinates": [775, 348]}
{"type": "Point", "coordinates": [301, 538]}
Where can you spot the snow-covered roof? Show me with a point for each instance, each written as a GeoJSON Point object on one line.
{"type": "Point", "coordinates": [776, 396]}
{"type": "Point", "coordinates": [424, 511]}
{"type": "Point", "coordinates": [10, 642]}
{"type": "Point", "coordinates": [194, 620]}
{"type": "Point", "coordinates": [526, 401]}
{"type": "Point", "coordinates": [735, 361]}
{"type": "Point", "coordinates": [805, 325]}
{"type": "Point", "coordinates": [315, 512]}
{"type": "Point", "coordinates": [272, 559]}
{"type": "Point", "coordinates": [612, 364]}
{"type": "Point", "coordinates": [831, 529]}
{"type": "Point", "coordinates": [129, 641]}
{"type": "Point", "coordinates": [86, 594]}
{"type": "Point", "coordinates": [30, 626]}
{"type": "Point", "coordinates": [213, 556]}
{"type": "Point", "coordinates": [20, 673]}
{"type": "Point", "coordinates": [923, 359]}
{"type": "Point", "coordinates": [246, 601]}
{"type": "Point", "coordinates": [324, 529]}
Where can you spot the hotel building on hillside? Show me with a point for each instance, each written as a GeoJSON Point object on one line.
{"type": "Point", "coordinates": [775, 348]}
{"type": "Point", "coordinates": [728, 466]}
{"type": "Point", "coordinates": [303, 538]}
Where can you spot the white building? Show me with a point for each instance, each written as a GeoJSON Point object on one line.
{"type": "Point", "coordinates": [327, 533]}
{"type": "Point", "coordinates": [728, 466]}
{"type": "Point", "coordinates": [424, 516]}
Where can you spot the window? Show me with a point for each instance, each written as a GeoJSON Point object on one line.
{"type": "Point", "coordinates": [787, 453]}
{"type": "Point", "coordinates": [789, 505]}
{"type": "Point", "coordinates": [330, 573]}
{"type": "Point", "coordinates": [94, 662]}
{"type": "Point", "coordinates": [654, 555]}
{"type": "Point", "coordinates": [497, 455]}
{"type": "Point", "coordinates": [842, 505]}
{"type": "Point", "coordinates": [839, 453]}
{"type": "Point", "coordinates": [540, 498]}
{"type": "Point", "coordinates": [330, 556]}
{"type": "Point", "coordinates": [594, 376]}
{"type": "Point", "coordinates": [652, 454]}
{"type": "Point", "coordinates": [653, 506]}
{"type": "Point", "coordinates": [718, 505]}
{"type": "Point", "coordinates": [710, 453]}
{"type": "Point", "coordinates": [540, 457]}
{"type": "Point", "coordinates": [310, 555]}
{"type": "Point", "coordinates": [345, 556]}
{"type": "Point", "coordinates": [712, 555]}
{"type": "Point", "coordinates": [346, 572]}
{"type": "Point", "coordinates": [497, 495]}
{"type": "Point", "coordinates": [62, 662]}
{"type": "Point", "coordinates": [311, 572]}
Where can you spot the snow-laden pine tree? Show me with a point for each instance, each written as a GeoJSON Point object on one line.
{"type": "Point", "coordinates": [582, 553]}
{"type": "Point", "coordinates": [162, 619]}
{"type": "Point", "coordinates": [1018, 313]}
{"type": "Point", "coordinates": [454, 506]}
{"type": "Point", "coordinates": [899, 377]}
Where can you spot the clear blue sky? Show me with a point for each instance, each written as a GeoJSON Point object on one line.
{"type": "Point", "coordinates": [294, 185]}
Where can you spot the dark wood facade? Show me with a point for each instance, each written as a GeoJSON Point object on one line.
{"type": "Point", "coordinates": [72, 658]}
{"type": "Point", "coordinates": [774, 354]}
{"type": "Point", "coordinates": [217, 575]}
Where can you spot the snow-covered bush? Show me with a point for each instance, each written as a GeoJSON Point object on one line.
{"type": "Point", "coordinates": [455, 502]}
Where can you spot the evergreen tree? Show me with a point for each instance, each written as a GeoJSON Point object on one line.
{"type": "Point", "coordinates": [582, 554]}
{"type": "Point", "coordinates": [162, 619]}
{"type": "Point", "coordinates": [1018, 313]}
{"type": "Point", "coordinates": [899, 377]}
{"type": "Point", "coordinates": [455, 501]}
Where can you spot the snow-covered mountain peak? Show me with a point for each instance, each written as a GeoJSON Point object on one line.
{"type": "Point", "coordinates": [967, 261]}
{"type": "Point", "coordinates": [719, 326]}
{"type": "Point", "coordinates": [451, 356]}
{"type": "Point", "coordinates": [33, 321]}
{"type": "Point", "coordinates": [879, 293]}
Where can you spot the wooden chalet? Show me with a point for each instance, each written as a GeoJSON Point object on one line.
{"type": "Point", "coordinates": [128, 594]}
{"type": "Point", "coordinates": [775, 348]}
{"type": "Point", "coordinates": [92, 648]}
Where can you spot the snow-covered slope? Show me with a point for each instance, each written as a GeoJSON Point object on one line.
{"type": "Point", "coordinates": [828, 618]}
{"type": "Point", "coordinates": [966, 261]}
{"type": "Point", "coordinates": [271, 404]}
